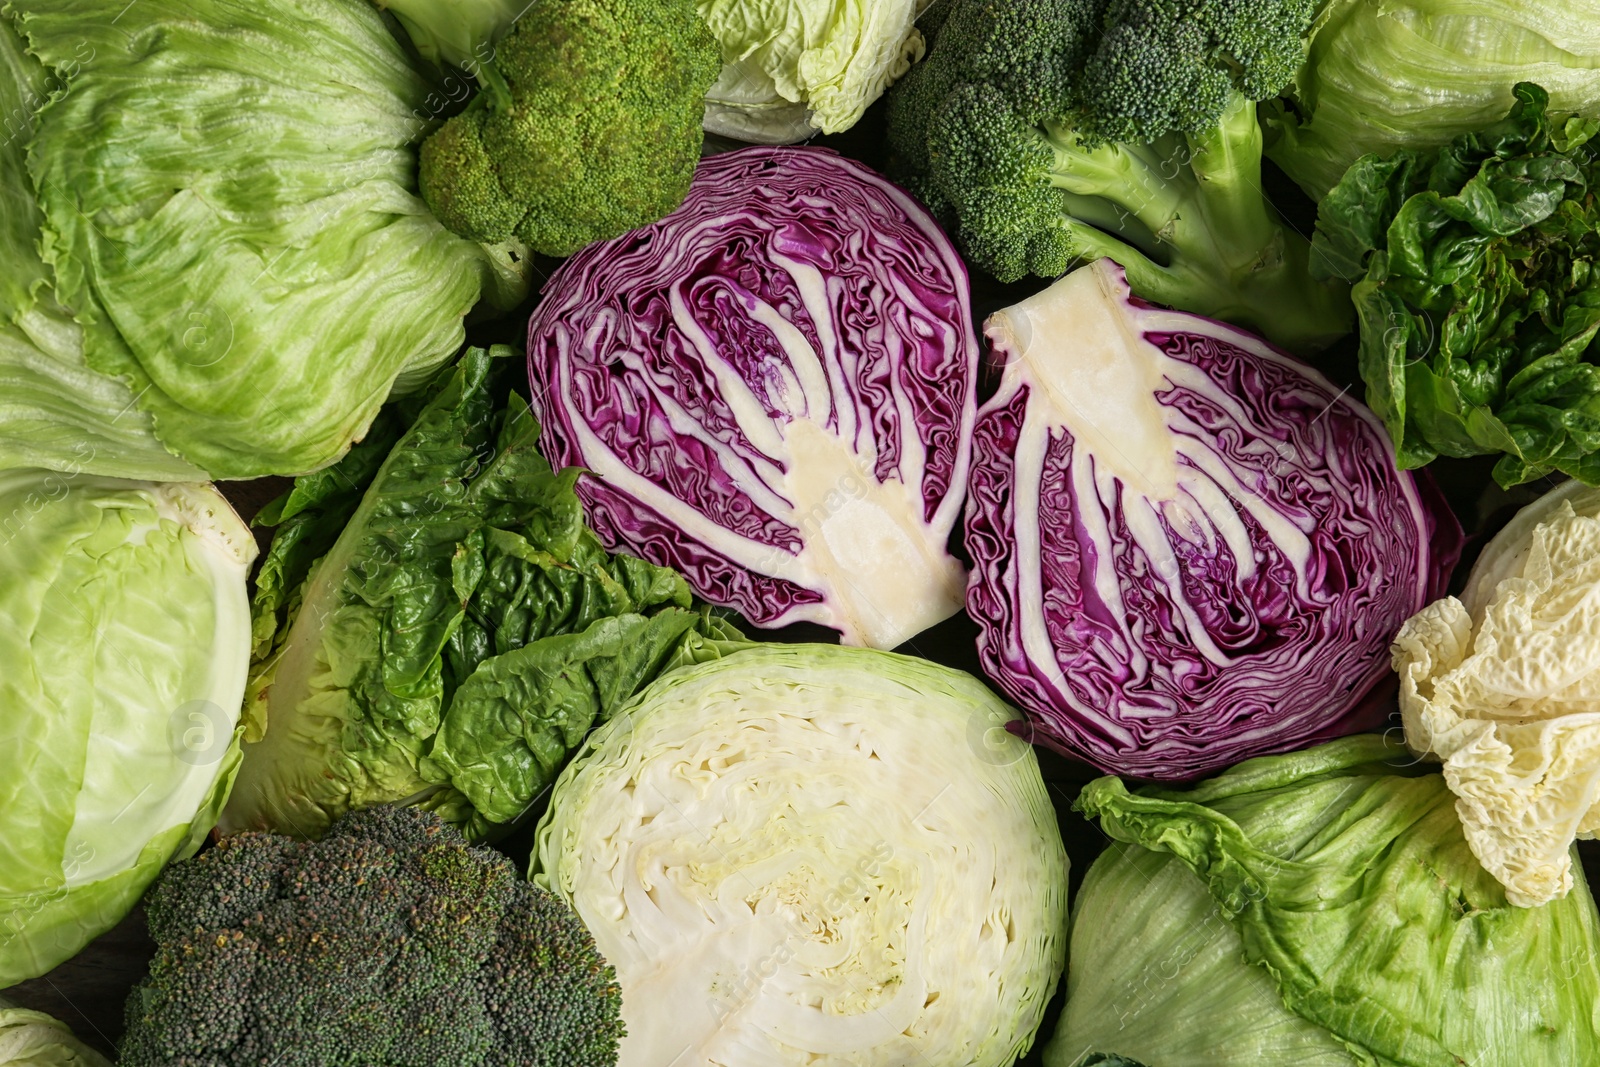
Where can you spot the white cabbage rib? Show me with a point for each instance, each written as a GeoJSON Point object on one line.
{"type": "Point", "coordinates": [815, 855]}
{"type": "Point", "coordinates": [1504, 687]}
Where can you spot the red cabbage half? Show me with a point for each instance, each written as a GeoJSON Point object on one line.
{"type": "Point", "coordinates": [1188, 548]}
{"type": "Point", "coordinates": [772, 391]}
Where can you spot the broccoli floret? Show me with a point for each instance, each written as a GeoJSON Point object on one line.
{"type": "Point", "coordinates": [1051, 132]}
{"type": "Point", "coordinates": [588, 125]}
{"type": "Point", "coordinates": [389, 943]}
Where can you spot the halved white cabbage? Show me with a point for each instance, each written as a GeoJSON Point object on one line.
{"type": "Point", "coordinates": [807, 854]}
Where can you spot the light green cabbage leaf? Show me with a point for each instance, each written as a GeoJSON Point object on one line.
{"type": "Point", "coordinates": [1503, 686]}
{"type": "Point", "coordinates": [794, 67]}
{"type": "Point", "coordinates": [54, 411]}
{"type": "Point", "coordinates": [457, 32]}
{"type": "Point", "coordinates": [435, 624]}
{"type": "Point", "coordinates": [1412, 74]}
{"type": "Point", "coordinates": [814, 855]}
{"type": "Point", "coordinates": [124, 649]}
{"type": "Point", "coordinates": [1319, 908]}
{"type": "Point", "coordinates": [34, 1039]}
{"type": "Point", "coordinates": [230, 213]}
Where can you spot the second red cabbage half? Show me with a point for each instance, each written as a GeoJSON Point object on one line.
{"type": "Point", "coordinates": [1188, 548]}
{"type": "Point", "coordinates": [772, 391]}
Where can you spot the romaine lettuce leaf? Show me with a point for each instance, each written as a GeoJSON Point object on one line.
{"type": "Point", "coordinates": [444, 628]}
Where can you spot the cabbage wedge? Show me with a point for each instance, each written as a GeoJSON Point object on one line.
{"type": "Point", "coordinates": [814, 855]}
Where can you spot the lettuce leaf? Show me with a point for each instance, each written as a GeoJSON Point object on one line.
{"type": "Point", "coordinates": [794, 67]}
{"type": "Point", "coordinates": [55, 412]}
{"type": "Point", "coordinates": [1478, 292]}
{"type": "Point", "coordinates": [1501, 684]}
{"type": "Point", "coordinates": [443, 628]}
{"type": "Point", "coordinates": [1320, 907]}
{"type": "Point", "coordinates": [1404, 75]}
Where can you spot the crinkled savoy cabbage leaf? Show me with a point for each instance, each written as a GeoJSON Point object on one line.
{"type": "Point", "coordinates": [794, 67]}
{"type": "Point", "coordinates": [1504, 687]}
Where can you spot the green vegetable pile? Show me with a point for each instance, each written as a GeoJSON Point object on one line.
{"type": "Point", "coordinates": [324, 659]}
{"type": "Point", "coordinates": [1315, 908]}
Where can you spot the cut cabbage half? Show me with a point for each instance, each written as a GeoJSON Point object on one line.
{"type": "Point", "coordinates": [808, 854]}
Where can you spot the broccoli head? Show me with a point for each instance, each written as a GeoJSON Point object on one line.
{"type": "Point", "coordinates": [1051, 132]}
{"type": "Point", "coordinates": [389, 943]}
{"type": "Point", "coordinates": [587, 126]}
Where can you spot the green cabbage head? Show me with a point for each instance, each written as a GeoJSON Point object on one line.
{"type": "Point", "coordinates": [215, 258]}
{"type": "Point", "coordinates": [814, 855]}
{"type": "Point", "coordinates": [792, 68]}
{"type": "Point", "coordinates": [1320, 909]}
{"type": "Point", "coordinates": [34, 1039]}
{"type": "Point", "coordinates": [124, 647]}
{"type": "Point", "coordinates": [1382, 75]}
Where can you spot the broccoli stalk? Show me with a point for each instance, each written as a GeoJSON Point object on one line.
{"type": "Point", "coordinates": [1052, 132]}
{"type": "Point", "coordinates": [588, 125]}
{"type": "Point", "coordinates": [1215, 245]}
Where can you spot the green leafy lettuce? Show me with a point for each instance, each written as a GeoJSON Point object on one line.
{"type": "Point", "coordinates": [1479, 293]}
{"type": "Point", "coordinates": [438, 626]}
{"type": "Point", "coordinates": [124, 651]}
{"type": "Point", "coordinates": [794, 67]}
{"type": "Point", "coordinates": [229, 214]}
{"type": "Point", "coordinates": [1317, 908]}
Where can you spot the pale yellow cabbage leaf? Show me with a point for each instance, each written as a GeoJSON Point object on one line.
{"type": "Point", "coordinates": [1503, 686]}
{"type": "Point", "coordinates": [793, 67]}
